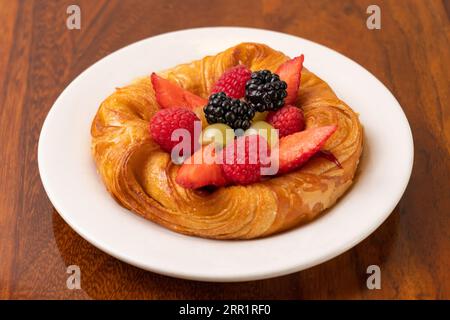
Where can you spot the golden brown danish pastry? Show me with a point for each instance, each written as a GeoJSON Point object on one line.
{"type": "Point", "coordinates": [141, 176]}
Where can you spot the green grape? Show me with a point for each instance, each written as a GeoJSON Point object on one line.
{"type": "Point", "coordinates": [265, 130]}
{"type": "Point", "coordinates": [260, 116]}
{"type": "Point", "coordinates": [219, 133]}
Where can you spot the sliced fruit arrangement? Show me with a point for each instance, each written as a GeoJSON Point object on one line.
{"type": "Point", "coordinates": [201, 170]}
{"type": "Point", "coordinates": [294, 150]}
{"type": "Point", "coordinates": [290, 72]}
{"type": "Point", "coordinates": [170, 95]}
{"type": "Point", "coordinates": [244, 168]}
{"type": "Point", "coordinates": [262, 91]}
{"type": "Point", "coordinates": [259, 102]}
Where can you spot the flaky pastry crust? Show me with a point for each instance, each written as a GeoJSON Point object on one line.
{"type": "Point", "coordinates": [141, 177]}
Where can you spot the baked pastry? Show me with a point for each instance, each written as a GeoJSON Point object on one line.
{"type": "Point", "coordinates": [142, 177]}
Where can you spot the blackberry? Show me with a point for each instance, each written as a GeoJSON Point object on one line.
{"type": "Point", "coordinates": [233, 112]}
{"type": "Point", "coordinates": [265, 91]}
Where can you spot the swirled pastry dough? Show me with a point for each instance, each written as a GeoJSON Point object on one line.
{"type": "Point", "coordinates": [141, 177]}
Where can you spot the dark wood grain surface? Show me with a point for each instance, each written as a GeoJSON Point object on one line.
{"type": "Point", "coordinates": [39, 57]}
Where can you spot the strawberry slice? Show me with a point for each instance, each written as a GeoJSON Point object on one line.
{"type": "Point", "coordinates": [200, 170]}
{"type": "Point", "coordinates": [169, 95]}
{"type": "Point", "coordinates": [329, 156]}
{"type": "Point", "coordinates": [295, 149]}
{"type": "Point", "coordinates": [290, 72]}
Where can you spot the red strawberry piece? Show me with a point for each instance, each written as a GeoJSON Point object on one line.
{"type": "Point", "coordinates": [294, 150]}
{"type": "Point", "coordinates": [201, 170]}
{"type": "Point", "coordinates": [166, 121]}
{"type": "Point", "coordinates": [242, 160]}
{"type": "Point", "coordinates": [287, 120]}
{"type": "Point", "coordinates": [170, 95]}
{"type": "Point", "coordinates": [232, 82]}
{"type": "Point", "coordinates": [329, 156]}
{"type": "Point", "coordinates": [290, 72]}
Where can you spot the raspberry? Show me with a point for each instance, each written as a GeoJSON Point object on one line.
{"type": "Point", "coordinates": [287, 120]}
{"type": "Point", "coordinates": [242, 159]}
{"type": "Point", "coordinates": [232, 82]}
{"type": "Point", "coordinates": [166, 121]}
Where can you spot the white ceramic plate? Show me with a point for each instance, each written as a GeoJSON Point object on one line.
{"type": "Point", "coordinates": [78, 194]}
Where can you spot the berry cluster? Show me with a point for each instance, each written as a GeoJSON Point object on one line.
{"type": "Point", "coordinates": [262, 103]}
{"type": "Point", "coordinates": [262, 90]}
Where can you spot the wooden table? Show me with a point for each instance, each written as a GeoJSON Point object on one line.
{"type": "Point", "coordinates": [39, 57]}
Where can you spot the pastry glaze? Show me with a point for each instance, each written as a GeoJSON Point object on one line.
{"type": "Point", "coordinates": [141, 177]}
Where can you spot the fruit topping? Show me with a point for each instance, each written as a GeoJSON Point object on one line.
{"type": "Point", "coordinates": [233, 112]}
{"type": "Point", "coordinates": [260, 116]}
{"type": "Point", "coordinates": [243, 159]}
{"type": "Point", "coordinates": [295, 149]}
{"type": "Point", "coordinates": [166, 121]}
{"type": "Point", "coordinates": [290, 72]}
{"type": "Point", "coordinates": [201, 170]}
{"type": "Point", "coordinates": [272, 128]}
{"type": "Point", "coordinates": [265, 91]}
{"type": "Point", "coordinates": [232, 82]}
{"type": "Point", "coordinates": [287, 120]}
{"type": "Point", "coordinates": [265, 130]}
{"type": "Point", "coordinates": [170, 95]}
{"type": "Point", "coordinates": [329, 156]}
{"type": "Point", "coordinates": [220, 134]}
